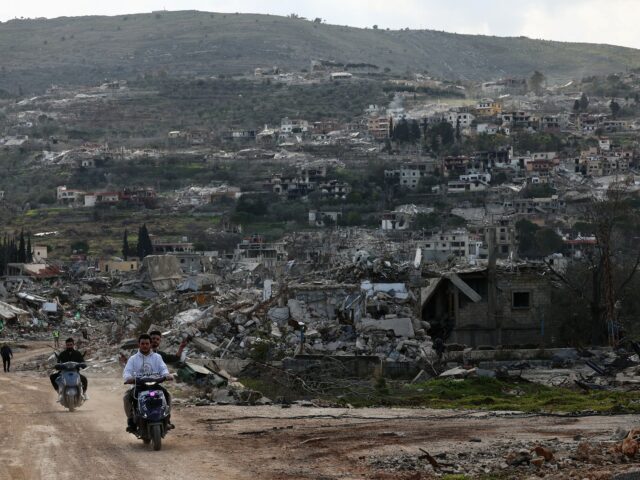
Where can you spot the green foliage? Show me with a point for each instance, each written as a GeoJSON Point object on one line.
{"type": "Point", "coordinates": [144, 246]}
{"type": "Point", "coordinates": [538, 190]}
{"type": "Point", "coordinates": [80, 246]}
{"type": "Point", "coordinates": [194, 39]}
{"type": "Point", "coordinates": [538, 142]}
{"type": "Point", "coordinates": [440, 136]}
{"type": "Point", "coordinates": [536, 242]}
{"type": "Point", "coordinates": [492, 394]}
{"type": "Point", "coordinates": [255, 205]}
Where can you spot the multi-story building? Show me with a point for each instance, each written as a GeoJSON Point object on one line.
{"type": "Point", "coordinates": [378, 126]}
{"type": "Point", "coordinates": [441, 245]}
{"type": "Point", "coordinates": [488, 108]}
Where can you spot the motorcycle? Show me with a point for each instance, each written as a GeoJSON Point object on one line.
{"type": "Point", "coordinates": [70, 384]}
{"type": "Point", "coordinates": [151, 411]}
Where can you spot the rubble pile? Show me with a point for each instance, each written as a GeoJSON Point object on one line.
{"type": "Point", "coordinates": [555, 459]}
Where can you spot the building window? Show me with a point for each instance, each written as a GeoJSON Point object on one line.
{"type": "Point", "coordinates": [521, 300]}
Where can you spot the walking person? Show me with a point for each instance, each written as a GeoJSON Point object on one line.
{"type": "Point", "coordinates": [7, 355]}
{"type": "Point", "coordinates": [56, 337]}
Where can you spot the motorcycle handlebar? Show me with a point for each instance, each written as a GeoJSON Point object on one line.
{"type": "Point", "coordinates": [144, 380]}
{"type": "Point", "coordinates": [69, 365]}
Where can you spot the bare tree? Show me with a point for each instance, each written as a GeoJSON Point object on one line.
{"type": "Point", "coordinates": [611, 264]}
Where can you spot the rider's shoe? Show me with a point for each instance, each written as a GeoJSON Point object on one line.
{"type": "Point", "coordinates": [170, 426]}
{"type": "Point", "coordinates": [85, 397]}
{"type": "Point", "coordinates": [59, 398]}
{"type": "Point", "coordinates": [131, 426]}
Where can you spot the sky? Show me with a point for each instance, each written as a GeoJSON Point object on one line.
{"type": "Point", "coordinates": [596, 21]}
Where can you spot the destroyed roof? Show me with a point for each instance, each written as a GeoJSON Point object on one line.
{"type": "Point", "coordinates": [9, 312]}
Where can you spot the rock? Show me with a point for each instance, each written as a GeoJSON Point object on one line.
{"type": "Point", "coordinates": [187, 317]}
{"type": "Point", "coordinates": [537, 462]}
{"type": "Point", "coordinates": [631, 444]}
{"type": "Point", "coordinates": [295, 310]}
{"type": "Point", "coordinates": [543, 452]}
{"type": "Point", "coordinates": [279, 315]}
{"type": "Point", "coordinates": [516, 459]}
{"type": "Point", "coordinates": [459, 372]}
{"type": "Point", "coordinates": [204, 346]}
{"type": "Point", "coordinates": [401, 327]}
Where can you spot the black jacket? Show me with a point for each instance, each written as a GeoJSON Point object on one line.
{"type": "Point", "coordinates": [70, 356]}
{"type": "Point", "coordinates": [169, 357]}
{"type": "Point", "coordinates": [6, 352]}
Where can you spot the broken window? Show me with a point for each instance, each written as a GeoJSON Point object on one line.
{"type": "Point", "coordinates": [521, 300]}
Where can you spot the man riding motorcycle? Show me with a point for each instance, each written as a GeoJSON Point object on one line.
{"type": "Point", "coordinates": [69, 354]}
{"type": "Point", "coordinates": [144, 363]}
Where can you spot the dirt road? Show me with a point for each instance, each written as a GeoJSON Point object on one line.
{"type": "Point", "coordinates": [40, 440]}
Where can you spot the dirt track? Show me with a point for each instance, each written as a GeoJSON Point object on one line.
{"type": "Point", "coordinates": [42, 441]}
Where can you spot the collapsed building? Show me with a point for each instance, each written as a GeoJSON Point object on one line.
{"type": "Point", "coordinates": [479, 305]}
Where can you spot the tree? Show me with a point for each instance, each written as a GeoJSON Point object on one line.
{"type": "Point", "coordinates": [576, 106]}
{"type": "Point", "coordinates": [401, 132]}
{"type": "Point", "coordinates": [536, 82]}
{"type": "Point", "coordinates": [614, 107]}
{"type": "Point", "coordinates": [440, 135]}
{"type": "Point", "coordinates": [29, 251]}
{"type": "Point", "coordinates": [144, 246]}
{"type": "Point", "coordinates": [584, 102]}
{"type": "Point", "coordinates": [125, 246]}
{"type": "Point", "coordinates": [22, 252]}
{"type": "Point", "coordinates": [414, 131]}
{"type": "Point", "coordinates": [604, 278]}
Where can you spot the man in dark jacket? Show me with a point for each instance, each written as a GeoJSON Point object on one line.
{"type": "Point", "coordinates": [168, 358]}
{"type": "Point", "coordinates": [69, 354]}
{"type": "Point", "coordinates": [7, 355]}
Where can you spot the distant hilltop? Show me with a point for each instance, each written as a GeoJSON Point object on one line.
{"type": "Point", "coordinates": [84, 50]}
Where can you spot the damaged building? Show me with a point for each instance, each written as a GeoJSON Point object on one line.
{"type": "Point", "coordinates": [485, 305]}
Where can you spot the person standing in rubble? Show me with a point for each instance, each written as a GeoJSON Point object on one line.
{"type": "Point", "coordinates": [440, 348]}
{"type": "Point", "coordinates": [56, 338]}
{"type": "Point", "coordinates": [7, 355]}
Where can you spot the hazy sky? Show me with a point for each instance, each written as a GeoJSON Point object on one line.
{"type": "Point", "coordinates": [598, 21]}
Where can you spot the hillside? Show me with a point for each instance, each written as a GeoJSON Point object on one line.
{"type": "Point", "coordinates": [36, 53]}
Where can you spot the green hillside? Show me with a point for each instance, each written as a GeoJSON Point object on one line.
{"type": "Point", "coordinates": [40, 52]}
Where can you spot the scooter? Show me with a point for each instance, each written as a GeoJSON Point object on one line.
{"type": "Point", "coordinates": [151, 411]}
{"type": "Point", "coordinates": [70, 384]}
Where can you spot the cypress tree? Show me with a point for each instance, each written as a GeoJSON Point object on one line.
{"type": "Point", "coordinates": [125, 246]}
{"type": "Point", "coordinates": [22, 253]}
{"type": "Point", "coordinates": [140, 244]}
{"type": "Point", "coordinates": [29, 250]}
{"type": "Point", "coordinates": [144, 247]}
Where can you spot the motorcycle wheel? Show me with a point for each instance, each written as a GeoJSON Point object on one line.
{"type": "Point", "coordinates": [156, 437]}
{"type": "Point", "coordinates": [71, 404]}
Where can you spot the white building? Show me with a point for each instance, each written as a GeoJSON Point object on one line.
{"type": "Point", "coordinates": [66, 195]}
{"type": "Point", "coordinates": [459, 186]}
{"type": "Point", "coordinates": [441, 245]}
{"type": "Point", "coordinates": [476, 177]}
{"type": "Point", "coordinates": [39, 253]}
{"type": "Point", "coordinates": [288, 126]}
{"type": "Point", "coordinates": [464, 118]}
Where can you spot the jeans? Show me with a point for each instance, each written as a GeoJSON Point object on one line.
{"type": "Point", "coordinates": [6, 363]}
